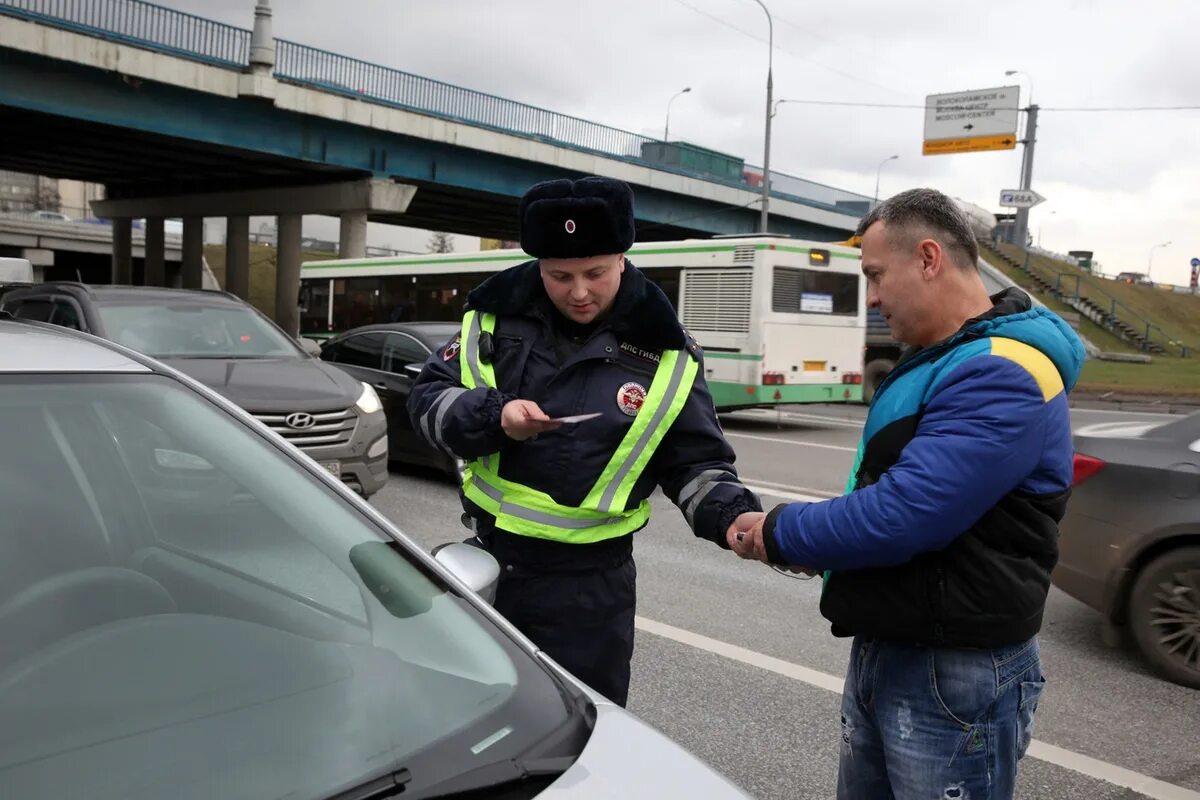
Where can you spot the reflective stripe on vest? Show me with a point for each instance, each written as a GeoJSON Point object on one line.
{"type": "Point", "coordinates": [523, 510]}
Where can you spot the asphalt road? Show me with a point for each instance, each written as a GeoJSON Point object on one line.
{"type": "Point", "coordinates": [734, 661]}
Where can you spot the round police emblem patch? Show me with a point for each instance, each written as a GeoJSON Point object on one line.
{"type": "Point", "coordinates": [570, 226]}
{"type": "Point", "coordinates": [630, 398]}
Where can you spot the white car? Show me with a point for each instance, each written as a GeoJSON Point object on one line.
{"type": "Point", "coordinates": [191, 608]}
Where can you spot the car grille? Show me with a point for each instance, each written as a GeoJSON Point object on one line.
{"type": "Point", "coordinates": [328, 428]}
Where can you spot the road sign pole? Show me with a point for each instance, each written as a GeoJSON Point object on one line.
{"type": "Point", "coordinates": [1022, 226]}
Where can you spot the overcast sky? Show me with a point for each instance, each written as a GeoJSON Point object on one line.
{"type": "Point", "coordinates": [1116, 182]}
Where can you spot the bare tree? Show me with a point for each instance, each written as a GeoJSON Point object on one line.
{"type": "Point", "coordinates": [47, 198]}
{"type": "Point", "coordinates": [441, 243]}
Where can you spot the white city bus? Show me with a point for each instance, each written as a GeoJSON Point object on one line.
{"type": "Point", "coordinates": [780, 320]}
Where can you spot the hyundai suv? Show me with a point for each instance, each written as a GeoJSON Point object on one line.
{"type": "Point", "coordinates": [229, 346]}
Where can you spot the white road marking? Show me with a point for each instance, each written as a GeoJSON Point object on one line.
{"type": "Point", "coordinates": [764, 414]}
{"type": "Point", "coordinates": [778, 440]}
{"type": "Point", "coordinates": [771, 485]}
{"type": "Point", "coordinates": [784, 494]}
{"type": "Point", "coordinates": [1076, 762]}
{"type": "Point", "coordinates": [1125, 413]}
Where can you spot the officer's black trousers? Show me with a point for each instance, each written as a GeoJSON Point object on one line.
{"type": "Point", "coordinates": [581, 619]}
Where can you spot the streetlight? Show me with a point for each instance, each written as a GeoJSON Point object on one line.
{"type": "Point", "coordinates": [1052, 213]}
{"type": "Point", "coordinates": [766, 182]}
{"type": "Point", "coordinates": [1150, 258]}
{"type": "Point", "coordinates": [667, 127]}
{"type": "Point", "coordinates": [1027, 76]}
{"type": "Point", "coordinates": [1026, 176]}
{"type": "Point", "coordinates": [880, 171]}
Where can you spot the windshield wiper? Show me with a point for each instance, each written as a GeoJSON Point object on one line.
{"type": "Point", "coordinates": [497, 773]}
{"type": "Point", "coordinates": [390, 784]}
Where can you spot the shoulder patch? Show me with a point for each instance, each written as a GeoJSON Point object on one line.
{"type": "Point", "coordinates": [634, 350]}
{"type": "Point", "coordinates": [1033, 361]}
{"type": "Point", "coordinates": [450, 351]}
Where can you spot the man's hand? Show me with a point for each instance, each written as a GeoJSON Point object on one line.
{"type": "Point", "coordinates": [522, 419]}
{"type": "Point", "coordinates": [744, 536]}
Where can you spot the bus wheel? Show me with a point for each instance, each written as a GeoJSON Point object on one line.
{"type": "Point", "coordinates": [873, 375]}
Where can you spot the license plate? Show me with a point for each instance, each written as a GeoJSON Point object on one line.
{"type": "Point", "coordinates": [334, 467]}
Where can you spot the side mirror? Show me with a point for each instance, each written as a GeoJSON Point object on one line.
{"type": "Point", "coordinates": [413, 370]}
{"type": "Point", "coordinates": [473, 566]}
{"type": "Point", "coordinates": [309, 346]}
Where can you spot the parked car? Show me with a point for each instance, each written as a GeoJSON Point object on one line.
{"type": "Point", "coordinates": [228, 345]}
{"type": "Point", "coordinates": [389, 357]}
{"type": "Point", "coordinates": [189, 608]}
{"type": "Point", "coordinates": [1130, 541]}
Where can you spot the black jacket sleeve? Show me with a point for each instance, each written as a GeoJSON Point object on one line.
{"type": "Point", "coordinates": [694, 466]}
{"type": "Point", "coordinates": [463, 422]}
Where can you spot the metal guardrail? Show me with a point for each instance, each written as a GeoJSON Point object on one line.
{"type": "Point", "coordinates": [189, 36]}
{"type": "Point", "coordinates": [142, 23]}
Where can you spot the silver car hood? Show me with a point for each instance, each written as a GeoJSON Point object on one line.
{"type": "Point", "coordinates": [627, 758]}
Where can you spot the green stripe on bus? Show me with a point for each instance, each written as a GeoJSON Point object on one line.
{"type": "Point", "coordinates": [734, 395]}
{"type": "Point", "coordinates": [406, 263]}
{"type": "Point", "coordinates": [732, 356]}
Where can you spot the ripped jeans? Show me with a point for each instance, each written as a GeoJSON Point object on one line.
{"type": "Point", "coordinates": [936, 723]}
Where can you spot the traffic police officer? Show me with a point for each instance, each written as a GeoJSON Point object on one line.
{"type": "Point", "coordinates": [577, 332]}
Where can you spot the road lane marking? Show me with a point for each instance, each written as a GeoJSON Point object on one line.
{"type": "Point", "coordinates": [777, 440]}
{"type": "Point", "coordinates": [785, 494]}
{"type": "Point", "coordinates": [1043, 751]}
{"type": "Point", "coordinates": [771, 485]}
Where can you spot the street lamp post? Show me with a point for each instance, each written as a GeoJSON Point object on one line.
{"type": "Point", "coordinates": [1150, 259]}
{"type": "Point", "coordinates": [878, 172]}
{"type": "Point", "coordinates": [667, 126]}
{"type": "Point", "coordinates": [766, 181]}
{"type": "Point", "coordinates": [1026, 177]}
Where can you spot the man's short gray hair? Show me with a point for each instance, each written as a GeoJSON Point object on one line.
{"type": "Point", "coordinates": [930, 214]}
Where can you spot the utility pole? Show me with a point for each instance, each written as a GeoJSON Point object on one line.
{"type": "Point", "coordinates": [1022, 227]}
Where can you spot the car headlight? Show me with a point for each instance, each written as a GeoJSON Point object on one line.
{"type": "Point", "coordinates": [368, 401]}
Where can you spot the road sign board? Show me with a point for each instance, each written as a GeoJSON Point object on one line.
{"type": "Point", "coordinates": [1196, 262]}
{"type": "Point", "coordinates": [1020, 198]}
{"type": "Point", "coordinates": [985, 114]}
{"type": "Point", "coordinates": [939, 147]}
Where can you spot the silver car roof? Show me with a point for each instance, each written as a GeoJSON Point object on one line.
{"type": "Point", "coordinates": [26, 347]}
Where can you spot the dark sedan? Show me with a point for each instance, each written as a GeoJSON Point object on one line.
{"type": "Point", "coordinates": [379, 356]}
{"type": "Point", "coordinates": [1130, 544]}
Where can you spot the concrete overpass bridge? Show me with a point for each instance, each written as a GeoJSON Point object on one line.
{"type": "Point", "coordinates": [181, 116]}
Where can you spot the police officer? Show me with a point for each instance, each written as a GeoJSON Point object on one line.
{"type": "Point", "coordinates": [578, 332]}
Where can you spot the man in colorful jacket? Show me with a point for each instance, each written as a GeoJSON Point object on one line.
{"type": "Point", "coordinates": [937, 560]}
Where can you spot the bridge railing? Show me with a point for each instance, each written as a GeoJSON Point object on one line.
{"type": "Point", "coordinates": [143, 23]}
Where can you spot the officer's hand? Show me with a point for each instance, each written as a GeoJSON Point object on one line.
{"type": "Point", "coordinates": [522, 419]}
{"type": "Point", "coordinates": [745, 533]}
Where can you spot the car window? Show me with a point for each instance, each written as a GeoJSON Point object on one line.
{"type": "Point", "coordinates": [361, 350]}
{"type": "Point", "coordinates": [38, 310]}
{"type": "Point", "coordinates": [193, 330]}
{"type": "Point", "coordinates": [400, 350]}
{"type": "Point", "coordinates": [175, 590]}
{"type": "Point", "coordinates": [67, 315]}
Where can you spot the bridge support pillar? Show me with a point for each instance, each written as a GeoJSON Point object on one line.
{"type": "Point", "coordinates": [155, 271]}
{"type": "Point", "coordinates": [122, 263]}
{"type": "Point", "coordinates": [352, 243]}
{"type": "Point", "coordinates": [287, 273]}
{"type": "Point", "coordinates": [237, 256]}
{"type": "Point", "coordinates": [193, 252]}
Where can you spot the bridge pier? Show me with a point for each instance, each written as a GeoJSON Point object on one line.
{"type": "Point", "coordinates": [287, 273]}
{"type": "Point", "coordinates": [154, 271]}
{"type": "Point", "coordinates": [193, 252]}
{"type": "Point", "coordinates": [352, 242]}
{"type": "Point", "coordinates": [122, 250]}
{"type": "Point", "coordinates": [237, 256]}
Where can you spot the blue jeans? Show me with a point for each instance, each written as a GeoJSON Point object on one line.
{"type": "Point", "coordinates": [936, 723]}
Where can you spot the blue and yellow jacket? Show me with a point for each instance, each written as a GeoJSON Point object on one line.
{"type": "Point", "coordinates": [949, 531]}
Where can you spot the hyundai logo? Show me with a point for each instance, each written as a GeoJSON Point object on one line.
{"type": "Point", "coordinates": [301, 420]}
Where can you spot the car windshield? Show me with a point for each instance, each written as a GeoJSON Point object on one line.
{"type": "Point", "coordinates": [187, 612]}
{"type": "Point", "coordinates": [191, 330]}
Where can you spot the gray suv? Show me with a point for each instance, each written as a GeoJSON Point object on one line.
{"type": "Point", "coordinates": [229, 346]}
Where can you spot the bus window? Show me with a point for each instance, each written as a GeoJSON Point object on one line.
{"type": "Point", "coordinates": [356, 302]}
{"type": "Point", "coordinates": [810, 291]}
{"type": "Point", "coordinates": [667, 279]}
